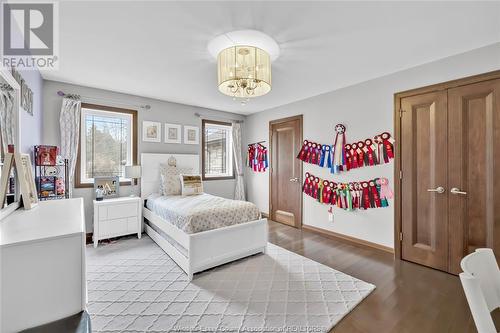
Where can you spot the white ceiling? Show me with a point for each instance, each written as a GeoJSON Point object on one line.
{"type": "Point", "coordinates": [159, 49]}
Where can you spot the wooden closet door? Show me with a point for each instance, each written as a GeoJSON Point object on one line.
{"type": "Point", "coordinates": [474, 169]}
{"type": "Point", "coordinates": [286, 171]}
{"type": "Point", "coordinates": [423, 188]}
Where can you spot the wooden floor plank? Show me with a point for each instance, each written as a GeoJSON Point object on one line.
{"type": "Point", "coordinates": [408, 298]}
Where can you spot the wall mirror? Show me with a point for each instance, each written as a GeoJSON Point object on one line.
{"type": "Point", "coordinates": [9, 136]}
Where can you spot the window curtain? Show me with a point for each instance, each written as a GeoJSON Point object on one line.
{"type": "Point", "coordinates": [239, 192]}
{"type": "Point", "coordinates": [7, 117]}
{"type": "Point", "coordinates": [69, 121]}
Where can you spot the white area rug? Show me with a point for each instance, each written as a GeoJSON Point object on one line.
{"type": "Point", "coordinates": [133, 286]}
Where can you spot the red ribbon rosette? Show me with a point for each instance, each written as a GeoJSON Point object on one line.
{"type": "Point", "coordinates": [314, 155]}
{"type": "Point", "coordinates": [309, 152]}
{"type": "Point", "coordinates": [361, 154]}
{"type": "Point", "coordinates": [370, 154]}
{"type": "Point", "coordinates": [315, 188]}
{"type": "Point", "coordinates": [348, 156]}
{"type": "Point", "coordinates": [388, 144]}
{"type": "Point", "coordinates": [327, 191]}
{"type": "Point", "coordinates": [354, 156]}
{"type": "Point", "coordinates": [333, 195]}
{"type": "Point", "coordinates": [251, 156]}
{"type": "Point", "coordinates": [311, 185]}
{"type": "Point", "coordinates": [305, 186]}
{"type": "Point", "coordinates": [365, 200]}
{"type": "Point", "coordinates": [303, 151]}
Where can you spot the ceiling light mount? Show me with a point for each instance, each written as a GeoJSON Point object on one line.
{"type": "Point", "coordinates": [244, 63]}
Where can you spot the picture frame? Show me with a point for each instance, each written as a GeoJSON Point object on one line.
{"type": "Point", "coordinates": [26, 180]}
{"type": "Point", "coordinates": [4, 180]}
{"type": "Point", "coordinates": [26, 100]}
{"type": "Point", "coordinates": [173, 133]}
{"type": "Point", "coordinates": [110, 186]}
{"type": "Point", "coordinates": [191, 135]}
{"type": "Point", "coordinates": [151, 131]}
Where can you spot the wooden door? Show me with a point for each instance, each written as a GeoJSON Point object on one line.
{"type": "Point", "coordinates": [424, 209]}
{"type": "Point", "coordinates": [285, 204]}
{"type": "Point", "coordinates": [474, 169]}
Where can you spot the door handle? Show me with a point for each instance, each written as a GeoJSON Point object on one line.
{"type": "Point", "coordinates": [439, 189]}
{"type": "Point", "coordinates": [294, 180]}
{"type": "Point", "coordinates": [455, 190]}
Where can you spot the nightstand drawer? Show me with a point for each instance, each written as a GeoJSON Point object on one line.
{"type": "Point", "coordinates": [132, 224]}
{"type": "Point", "coordinates": [117, 211]}
{"type": "Point", "coordinates": [113, 227]}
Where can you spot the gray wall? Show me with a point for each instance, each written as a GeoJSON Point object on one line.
{"type": "Point", "coordinates": [164, 112]}
{"type": "Point", "coordinates": [366, 109]}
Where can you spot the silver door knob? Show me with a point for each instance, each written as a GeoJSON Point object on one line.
{"type": "Point", "coordinates": [455, 190]}
{"type": "Point", "coordinates": [439, 189]}
{"type": "Point", "coordinates": [295, 180]}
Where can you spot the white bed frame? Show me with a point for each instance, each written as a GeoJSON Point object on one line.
{"type": "Point", "coordinates": [205, 249]}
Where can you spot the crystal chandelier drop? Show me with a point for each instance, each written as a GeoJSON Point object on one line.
{"type": "Point", "coordinates": [244, 72]}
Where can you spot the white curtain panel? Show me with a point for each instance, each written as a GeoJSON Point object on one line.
{"type": "Point", "coordinates": [69, 121]}
{"type": "Point", "coordinates": [7, 118]}
{"type": "Point", "coordinates": [239, 191]}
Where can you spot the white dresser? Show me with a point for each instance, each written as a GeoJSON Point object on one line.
{"type": "Point", "coordinates": [42, 261]}
{"type": "Point", "coordinates": [117, 217]}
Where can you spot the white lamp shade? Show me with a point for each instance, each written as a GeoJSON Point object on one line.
{"type": "Point", "coordinates": [133, 171]}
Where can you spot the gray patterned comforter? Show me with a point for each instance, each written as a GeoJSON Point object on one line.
{"type": "Point", "coordinates": [202, 212]}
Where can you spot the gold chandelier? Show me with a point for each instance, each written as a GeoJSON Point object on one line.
{"type": "Point", "coordinates": [244, 72]}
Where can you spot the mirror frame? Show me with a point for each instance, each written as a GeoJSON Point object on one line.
{"type": "Point", "coordinates": [6, 76]}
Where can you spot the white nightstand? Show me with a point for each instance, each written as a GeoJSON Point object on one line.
{"type": "Point", "coordinates": [117, 217]}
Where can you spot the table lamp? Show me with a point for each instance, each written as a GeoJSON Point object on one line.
{"type": "Point", "coordinates": [133, 172]}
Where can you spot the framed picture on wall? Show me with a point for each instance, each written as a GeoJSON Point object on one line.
{"type": "Point", "coordinates": [173, 133]}
{"type": "Point", "coordinates": [191, 135]}
{"type": "Point", "coordinates": [151, 131]}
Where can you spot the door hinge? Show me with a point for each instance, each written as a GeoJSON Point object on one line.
{"type": "Point", "coordinates": [400, 236]}
{"type": "Point", "coordinates": [401, 113]}
{"type": "Point", "coordinates": [400, 174]}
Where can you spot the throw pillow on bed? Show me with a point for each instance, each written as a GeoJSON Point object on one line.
{"type": "Point", "coordinates": [170, 183]}
{"type": "Point", "coordinates": [191, 184]}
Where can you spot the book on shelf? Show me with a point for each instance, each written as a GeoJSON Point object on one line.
{"type": "Point", "coordinates": [46, 155]}
{"type": "Point", "coordinates": [47, 186]}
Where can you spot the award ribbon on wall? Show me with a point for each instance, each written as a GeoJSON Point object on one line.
{"type": "Point", "coordinates": [342, 156]}
{"type": "Point", "coordinates": [350, 196]}
{"type": "Point", "coordinates": [257, 157]}
{"type": "Point", "coordinates": [338, 148]}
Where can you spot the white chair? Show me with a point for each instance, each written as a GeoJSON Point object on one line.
{"type": "Point", "coordinates": [481, 283]}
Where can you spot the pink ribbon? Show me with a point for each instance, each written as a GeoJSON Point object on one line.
{"type": "Point", "coordinates": [385, 190]}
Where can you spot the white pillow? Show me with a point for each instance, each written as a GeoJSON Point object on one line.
{"type": "Point", "coordinates": [170, 183]}
{"type": "Point", "coordinates": [191, 184]}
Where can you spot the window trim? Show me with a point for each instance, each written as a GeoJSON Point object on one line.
{"type": "Point", "coordinates": [203, 177]}
{"type": "Point", "coordinates": [77, 175]}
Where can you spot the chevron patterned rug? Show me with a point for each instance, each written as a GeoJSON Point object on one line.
{"type": "Point", "coordinates": [133, 286]}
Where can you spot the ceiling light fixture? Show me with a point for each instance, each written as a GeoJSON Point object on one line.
{"type": "Point", "coordinates": [244, 63]}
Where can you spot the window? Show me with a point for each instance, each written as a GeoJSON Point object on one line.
{"type": "Point", "coordinates": [108, 142]}
{"type": "Point", "coordinates": [217, 154]}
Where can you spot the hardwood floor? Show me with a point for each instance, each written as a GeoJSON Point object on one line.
{"type": "Point", "coordinates": [408, 297]}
